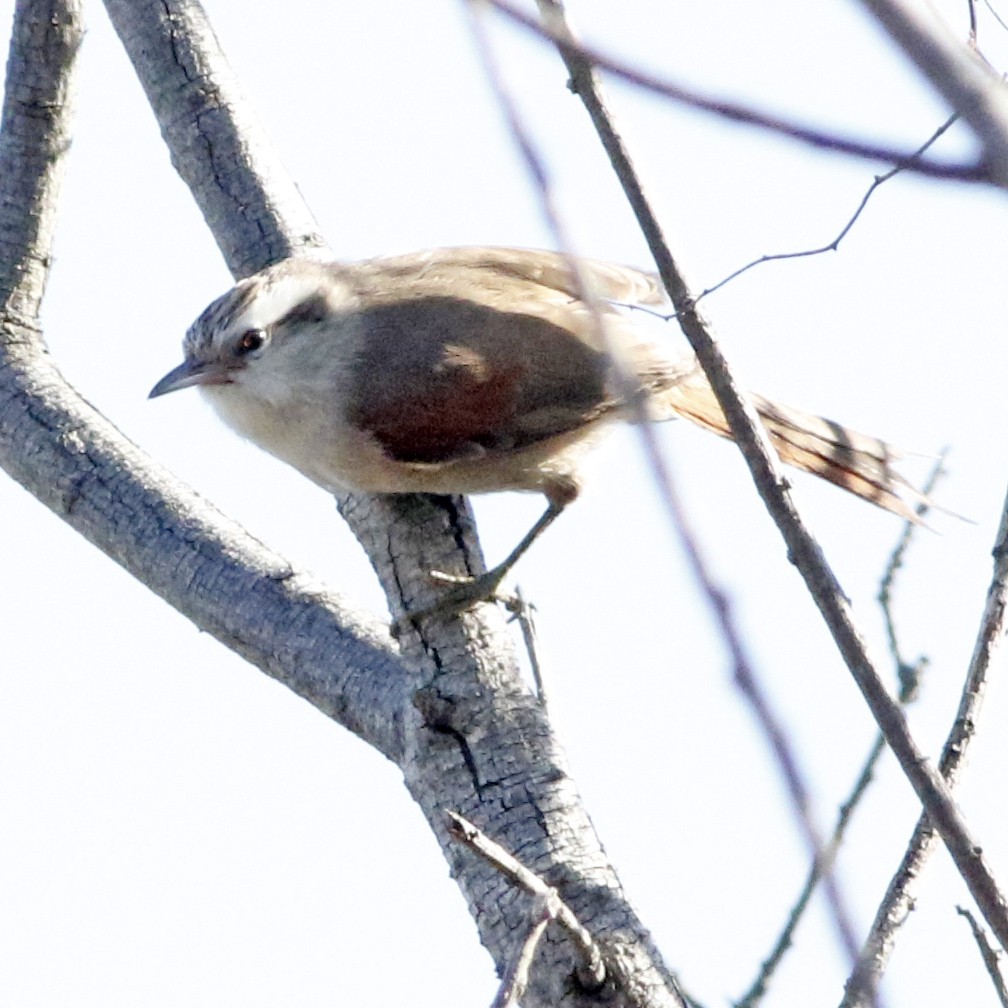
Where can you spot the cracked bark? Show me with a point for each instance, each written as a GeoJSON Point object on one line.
{"type": "Point", "coordinates": [510, 776]}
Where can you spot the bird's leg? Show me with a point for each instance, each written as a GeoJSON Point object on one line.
{"type": "Point", "coordinates": [466, 590]}
{"type": "Point", "coordinates": [484, 586]}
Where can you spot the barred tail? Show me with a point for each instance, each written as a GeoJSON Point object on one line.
{"type": "Point", "coordinates": [858, 463]}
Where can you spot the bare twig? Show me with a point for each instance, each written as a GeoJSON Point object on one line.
{"type": "Point", "coordinates": [515, 979]}
{"type": "Point", "coordinates": [955, 72]}
{"type": "Point", "coordinates": [997, 17]}
{"type": "Point", "coordinates": [769, 966]}
{"type": "Point", "coordinates": [721, 609]}
{"type": "Point", "coordinates": [573, 48]}
{"type": "Point", "coordinates": [629, 386]}
{"type": "Point", "coordinates": [749, 686]}
{"type": "Point", "coordinates": [907, 673]}
{"type": "Point", "coordinates": [718, 601]}
{"type": "Point", "coordinates": [833, 245]}
{"type": "Point", "coordinates": [720, 605]}
{"type": "Point", "coordinates": [899, 897]}
{"type": "Point", "coordinates": [908, 676]}
{"type": "Point", "coordinates": [989, 954]}
{"type": "Point", "coordinates": [524, 614]}
{"type": "Point", "coordinates": [593, 972]}
{"type": "Point", "coordinates": [803, 549]}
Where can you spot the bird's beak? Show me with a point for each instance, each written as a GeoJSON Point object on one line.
{"type": "Point", "coordinates": [190, 373]}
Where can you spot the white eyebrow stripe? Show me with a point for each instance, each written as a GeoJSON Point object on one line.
{"type": "Point", "coordinates": [277, 299]}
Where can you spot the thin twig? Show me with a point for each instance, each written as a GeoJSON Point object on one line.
{"type": "Point", "coordinates": [516, 976]}
{"type": "Point", "coordinates": [593, 972]}
{"type": "Point", "coordinates": [803, 549]}
{"type": "Point", "coordinates": [967, 83]}
{"type": "Point", "coordinates": [585, 85]}
{"type": "Point", "coordinates": [743, 674]}
{"type": "Point", "coordinates": [899, 898]}
{"type": "Point", "coordinates": [627, 384]}
{"type": "Point", "coordinates": [833, 245]}
{"type": "Point", "coordinates": [989, 954]}
{"type": "Point", "coordinates": [908, 676]}
{"type": "Point", "coordinates": [997, 17]}
{"type": "Point", "coordinates": [749, 686]}
{"type": "Point", "coordinates": [524, 614]}
{"type": "Point", "coordinates": [572, 48]}
{"type": "Point", "coordinates": [627, 381]}
{"type": "Point", "coordinates": [769, 966]}
{"type": "Point", "coordinates": [907, 673]}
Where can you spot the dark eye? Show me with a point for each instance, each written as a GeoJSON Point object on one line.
{"type": "Point", "coordinates": [250, 341]}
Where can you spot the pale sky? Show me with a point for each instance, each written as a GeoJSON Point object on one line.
{"type": "Point", "coordinates": [181, 830]}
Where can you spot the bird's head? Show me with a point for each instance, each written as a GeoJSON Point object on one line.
{"type": "Point", "coordinates": [246, 336]}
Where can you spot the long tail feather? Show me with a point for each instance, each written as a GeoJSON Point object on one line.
{"type": "Point", "coordinates": [858, 463]}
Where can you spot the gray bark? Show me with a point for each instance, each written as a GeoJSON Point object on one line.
{"type": "Point", "coordinates": [449, 707]}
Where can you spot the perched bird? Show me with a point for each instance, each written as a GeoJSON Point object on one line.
{"type": "Point", "coordinates": [468, 370]}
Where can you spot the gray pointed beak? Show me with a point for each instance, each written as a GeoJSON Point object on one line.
{"type": "Point", "coordinates": [190, 373]}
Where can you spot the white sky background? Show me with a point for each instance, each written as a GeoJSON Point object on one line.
{"type": "Point", "coordinates": [178, 829]}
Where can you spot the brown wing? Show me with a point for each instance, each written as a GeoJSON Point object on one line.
{"type": "Point", "coordinates": [442, 377]}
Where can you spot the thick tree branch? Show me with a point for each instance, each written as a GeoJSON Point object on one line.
{"type": "Point", "coordinates": [65, 453]}
{"type": "Point", "coordinates": [477, 738]}
{"type": "Point", "coordinates": [35, 132]}
{"type": "Point", "coordinates": [213, 137]}
{"type": "Point", "coordinates": [472, 737]}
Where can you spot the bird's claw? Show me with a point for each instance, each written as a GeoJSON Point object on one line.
{"type": "Point", "coordinates": [465, 591]}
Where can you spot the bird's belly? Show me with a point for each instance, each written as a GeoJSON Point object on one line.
{"type": "Point", "coordinates": [337, 456]}
{"type": "Point", "coordinates": [359, 462]}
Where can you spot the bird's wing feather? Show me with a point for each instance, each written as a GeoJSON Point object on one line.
{"type": "Point", "coordinates": [487, 268]}
{"type": "Point", "coordinates": [436, 378]}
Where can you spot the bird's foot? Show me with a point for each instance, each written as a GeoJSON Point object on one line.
{"type": "Point", "coordinates": [464, 592]}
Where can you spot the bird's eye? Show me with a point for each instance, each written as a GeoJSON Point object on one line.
{"type": "Point", "coordinates": [250, 341]}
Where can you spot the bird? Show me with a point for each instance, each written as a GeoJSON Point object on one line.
{"type": "Point", "coordinates": [472, 370]}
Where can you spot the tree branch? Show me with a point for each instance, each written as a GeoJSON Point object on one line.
{"type": "Point", "coordinates": [35, 132]}
{"type": "Point", "coordinates": [593, 972]}
{"type": "Point", "coordinates": [803, 550]}
{"type": "Point", "coordinates": [65, 453]}
{"type": "Point", "coordinates": [989, 954]}
{"type": "Point", "coordinates": [573, 49]}
{"type": "Point", "coordinates": [453, 711]}
{"type": "Point", "coordinates": [908, 678]}
{"type": "Point", "coordinates": [900, 895]}
{"type": "Point", "coordinates": [834, 244]}
{"type": "Point", "coordinates": [957, 73]}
